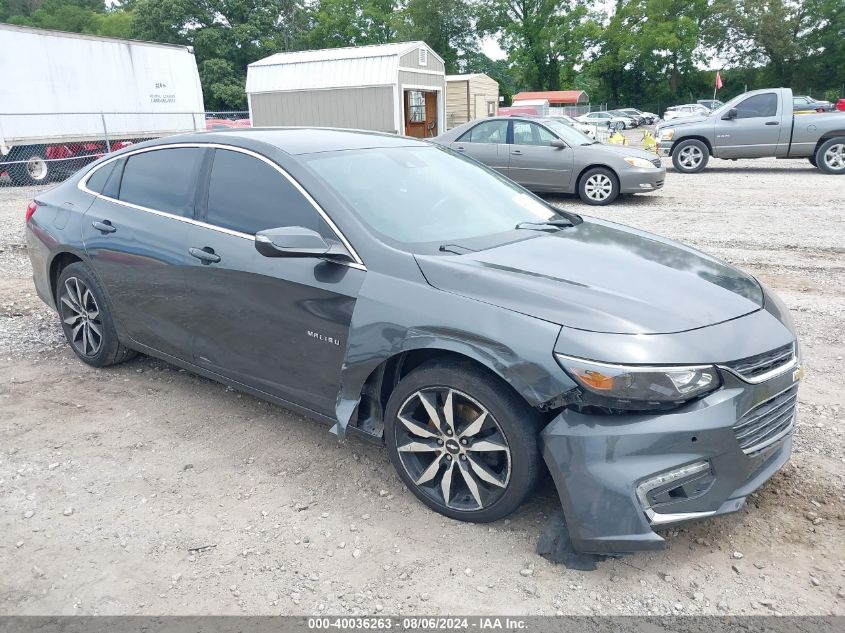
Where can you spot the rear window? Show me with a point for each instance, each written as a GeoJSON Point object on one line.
{"type": "Point", "coordinates": [164, 179]}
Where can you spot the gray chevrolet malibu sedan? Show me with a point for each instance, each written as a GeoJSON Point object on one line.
{"type": "Point", "coordinates": [405, 294]}
{"type": "Point", "coordinates": [545, 155]}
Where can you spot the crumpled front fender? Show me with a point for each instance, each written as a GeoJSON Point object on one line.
{"type": "Point", "coordinates": [393, 316]}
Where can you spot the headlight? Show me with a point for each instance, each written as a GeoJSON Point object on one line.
{"type": "Point", "coordinates": [667, 135]}
{"type": "Point", "coordinates": [649, 384]}
{"type": "Point", "coordinates": [642, 163]}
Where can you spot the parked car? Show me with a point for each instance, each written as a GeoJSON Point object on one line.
{"type": "Point", "coordinates": [840, 105]}
{"type": "Point", "coordinates": [545, 155]}
{"type": "Point", "coordinates": [805, 103]}
{"type": "Point", "coordinates": [586, 129]}
{"type": "Point", "coordinates": [754, 125]}
{"type": "Point", "coordinates": [710, 104]}
{"type": "Point", "coordinates": [633, 121]}
{"type": "Point", "coordinates": [403, 293]}
{"type": "Point", "coordinates": [613, 121]}
{"type": "Point", "coordinates": [681, 111]}
{"type": "Point", "coordinates": [644, 118]}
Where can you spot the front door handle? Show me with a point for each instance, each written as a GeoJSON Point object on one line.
{"type": "Point", "coordinates": [460, 149]}
{"type": "Point", "coordinates": [104, 227]}
{"type": "Point", "coordinates": [771, 123]}
{"type": "Point", "coordinates": [206, 255]}
{"type": "Point", "coordinates": [516, 152]}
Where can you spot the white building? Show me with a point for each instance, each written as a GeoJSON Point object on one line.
{"type": "Point", "coordinates": [397, 88]}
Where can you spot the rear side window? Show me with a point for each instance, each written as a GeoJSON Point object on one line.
{"type": "Point", "coordinates": [164, 179]}
{"type": "Point", "coordinates": [487, 132]}
{"type": "Point", "coordinates": [246, 194]}
{"type": "Point", "coordinates": [758, 106]}
{"type": "Point", "coordinates": [97, 181]}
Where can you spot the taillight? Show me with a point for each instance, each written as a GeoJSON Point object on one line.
{"type": "Point", "coordinates": [30, 209]}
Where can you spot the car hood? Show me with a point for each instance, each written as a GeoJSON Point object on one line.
{"type": "Point", "coordinates": [621, 150]}
{"type": "Point", "coordinates": [601, 277]}
{"type": "Point", "coordinates": [682, 120]}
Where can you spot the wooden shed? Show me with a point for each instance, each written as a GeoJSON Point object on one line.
{"type": "Point", "coordinates": [397, 88]}
{"type": "Point", "coordinates": [470, 97]}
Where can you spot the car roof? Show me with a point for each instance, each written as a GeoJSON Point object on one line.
{"type": "Point", "coordinates": [304, 140]}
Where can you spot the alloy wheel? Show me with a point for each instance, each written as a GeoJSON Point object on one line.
{"type": "Point", "coordinates": [690, 157]}
{"type": "Point", "coordinates": [453, 449]}
{"type": "Point", "coordinates": [598, 187]}
{"type": "Point", "coordinates": [81, 314]}
{"type": "Point", "coordinates": [834, 157]}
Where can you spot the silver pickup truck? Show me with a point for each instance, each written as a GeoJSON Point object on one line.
{"type": "Point", "coordinates": [755, 124]}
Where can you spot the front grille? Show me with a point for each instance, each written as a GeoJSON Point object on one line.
{"type": "Point", "coordinates": [767, 423]}
{"type": "Point", "coordinates": [657, 162]}
{"type": "Point", "coordinates": [757, 365]}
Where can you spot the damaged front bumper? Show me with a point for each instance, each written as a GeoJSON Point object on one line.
{"type": "Point", "coordinates": [621, 477]}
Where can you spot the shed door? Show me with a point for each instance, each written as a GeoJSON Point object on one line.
{"type": "Point", "coordinates": [420, 113]}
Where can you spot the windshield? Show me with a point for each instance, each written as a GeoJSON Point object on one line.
{"type": "Point", "coordinates": [568, 133]}
{"type": "Point", "coordinates": [428, 196]}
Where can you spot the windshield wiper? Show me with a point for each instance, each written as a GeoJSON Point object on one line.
{"type": "Point", "coordinates": [546, 225]}
{"type": "Point", "coordinates": [455, 248]}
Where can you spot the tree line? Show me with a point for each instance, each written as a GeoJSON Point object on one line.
{"type": "Point", "coordinates": [646, 53]}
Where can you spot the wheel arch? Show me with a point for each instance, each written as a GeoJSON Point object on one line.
{"type": "Point", "coordinates": [593, 166]}
{"type": "Point", "coordinates": [58, 263]}
{"type": "Point", "coordinates": [693, 137]}
{"type": "Point", "coordinates": [827, 136]}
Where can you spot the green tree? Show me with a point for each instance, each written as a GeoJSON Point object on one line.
{"type": "Point", "coordinates": [542, 37]}
{"type": "Point", "coordinates": [445, 25]}
{"type": "Point", "coordinates": [335, 23]}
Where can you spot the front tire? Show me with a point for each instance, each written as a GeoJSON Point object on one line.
{"type": "Point", "coordinates": [690, 156]}
{"type": "Point", "coordinates": [620, 125]}
{"type": "Point", "coordinates": [830, 157]}
{"type": "Point", "coordinates": [462, 442]}
{"type": "Point", "coordinates": [86, 318]}
{"type": "Point", "coordinates": [598, 186]}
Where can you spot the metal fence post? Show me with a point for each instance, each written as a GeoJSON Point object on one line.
{"type": "Point", "coordinates": [105, 132]}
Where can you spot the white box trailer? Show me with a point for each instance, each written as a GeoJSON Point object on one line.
{"type": "Point", "coordinates": [68, 95]}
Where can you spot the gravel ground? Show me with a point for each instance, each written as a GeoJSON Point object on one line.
{"type": "Point", "coordinates": [143, 489]}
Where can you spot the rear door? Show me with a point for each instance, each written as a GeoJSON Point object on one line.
{"type": "Point", "coordinates": [534, 163]}
{"type": "Point", "coordinates": [277, 324]}
{"type": "Point", "coordinates": [756, 130]}
{"type": "Point", "coordinates": [486, 143]}
{"type": "Point", "coordinates": [135, 234]}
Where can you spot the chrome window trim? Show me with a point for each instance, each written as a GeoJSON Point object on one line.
{"type": "Point", "coordinates": [83, 182]}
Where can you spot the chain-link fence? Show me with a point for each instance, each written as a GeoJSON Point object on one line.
{"type": "Point", "coordinates": [39, 148]}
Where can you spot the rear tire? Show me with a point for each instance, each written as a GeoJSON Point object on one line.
{"type": "Point", "coordinates": [598, 186]}
{"type": "Point", "coordinates": [495, 461]}
{"type": "Point", "coordinates": [690, 156]}
{"type": "Point", "coordinates": [830, 157]}
{"type": "Point", "coordinates": [86, 318]}
{"type": "Point", "coordinates": [35, 168]}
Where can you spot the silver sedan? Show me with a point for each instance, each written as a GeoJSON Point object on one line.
{"type": "Point", "coordinates": [548, 156]}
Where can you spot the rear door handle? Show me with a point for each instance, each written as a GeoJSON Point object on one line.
{"type": "Point", "coordinates": [206, 255]}
{"type": "Point", "coordinates": [104, 227]}
{"type": "Point", "coordinates": [516, 152]}
{"type": "Point", "coordinates": [460, 149]}
{"type": "Point", "coordinates": [771, 123]}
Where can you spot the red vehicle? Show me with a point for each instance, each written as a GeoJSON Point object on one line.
{"type": "Point", "coordinates": [840, 105]}
{"type": "Point", "coordinates": [224, 124]}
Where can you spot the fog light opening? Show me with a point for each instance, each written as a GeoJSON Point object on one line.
{"type": "Point", "coordinates": [697, 473]}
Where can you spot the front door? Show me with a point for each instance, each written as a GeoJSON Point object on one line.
{"type": "Point", "coordinates": [486, 142]}
{"type": "Point", "coordinates": [136, 242]}
{"type": "Point", "coordinates": [277, 324]}
{"type": "Point", "coordinates": [755, 132]}
{"type": "Point", "coordinates": [534, 163]}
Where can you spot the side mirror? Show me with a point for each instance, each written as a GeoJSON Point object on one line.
{"type": "Point", "coordinates": [297, 241]}
{"type": "Point", "coordinates": [558, 144]}
{"type": "Point", "coordinates": [729, 115]}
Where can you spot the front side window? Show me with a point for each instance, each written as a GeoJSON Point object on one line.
{"type": "Point", "coordinates": [246, 194]}
{"type": "Point", "coordinates": [163, 179]}
{"type": "Point", "coordinates": [763, 105]}
{"type": "Point", "coordinates": [527, 133]}
{"type": "Point", "coordinates": [423, 197]}
{"type": "Point", "coordinates": [487, 132]}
